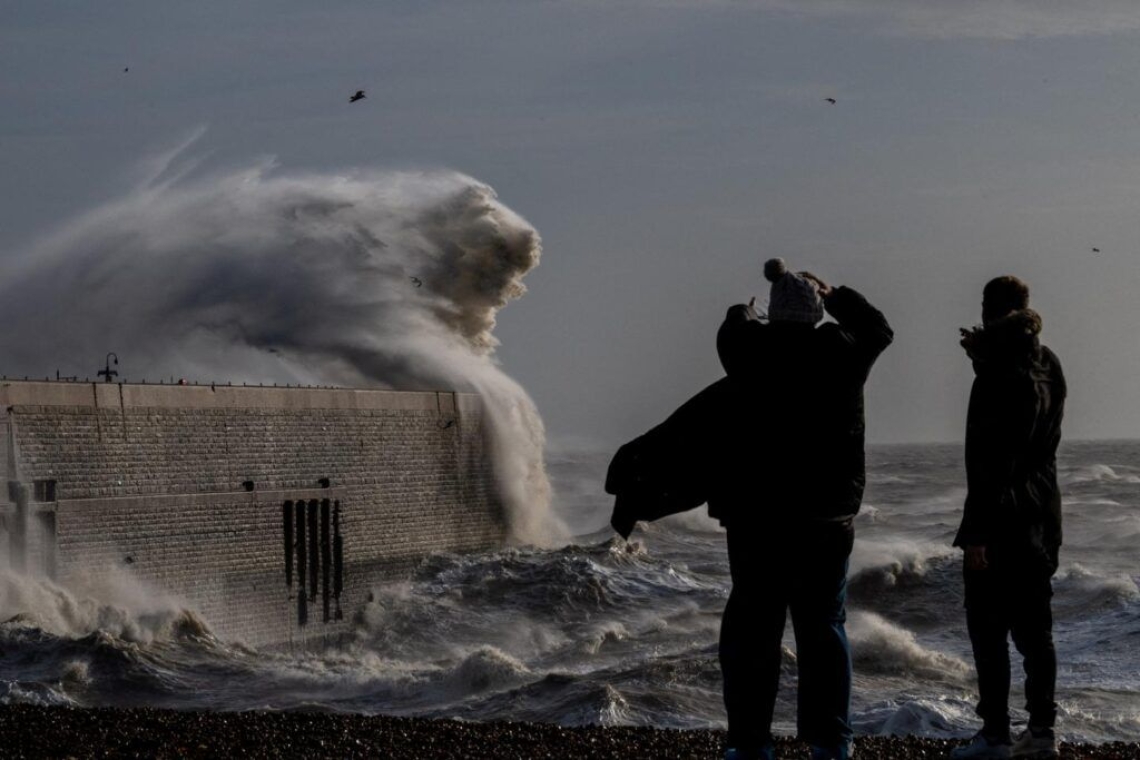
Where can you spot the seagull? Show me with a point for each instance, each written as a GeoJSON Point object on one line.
{"type": "Point", "coordinates": [417, 282]}
{"type": "Point", "coordinates": [1096, 250]}
{"type": "Point", "coordinates": [358, 96]}
{"type": "Point", "coordinates": [830, 100]}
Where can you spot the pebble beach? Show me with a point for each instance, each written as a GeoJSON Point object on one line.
{"type": "Point", "coordinates": [52, 732]}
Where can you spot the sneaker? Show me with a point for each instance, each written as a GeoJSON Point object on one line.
{"type": "Point", "coordinates": [981, 748]}
{"type": "Point", "coordinates": [767, 752]}
{"type": "Point", "coordinates": [1035, 743]}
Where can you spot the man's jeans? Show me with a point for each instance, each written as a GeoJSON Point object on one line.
{"type": "Point", "coordinates": [801, 568]}
{"type": "Point", "coordinates": [1006, 601]}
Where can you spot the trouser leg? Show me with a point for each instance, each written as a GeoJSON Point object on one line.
{"type": "Point", "coordinates": [987, 623]}
{"type": "Point", "coordinates": [750, 657]}
{"type": "Point", "coordinates": [1032, 630]}
{"type": "Point", "coordinates": [750, 635]}
{"type": "Point", "coordinates": [823, 653]}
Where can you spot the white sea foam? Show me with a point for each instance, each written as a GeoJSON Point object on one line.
{"type": "Point", "coordinates": [934, 717]}
{"type": "Point", "coordinates": [1095, 473]}
{"type": "Point", "coordinates": [1087, 589]}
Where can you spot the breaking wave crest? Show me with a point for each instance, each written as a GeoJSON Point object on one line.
{"type": "Point", "coordinates": [1080, 590]}
{"type": "Point", "coordinates": [1101, 473]}
{"type": "Point", "coordinates": [879, 646]}
{"type": "Point", "coordinates": [120, 607]}
{"type": "Point", "coordinates": [368, 278]}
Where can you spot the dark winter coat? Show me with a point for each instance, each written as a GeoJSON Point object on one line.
{"type": "Point", "coordinates": [1013, 428]}
{"type": "Point", "coordinates": [781, 436]}
{"type": "Point", "coordinates": [802, 403]}
{"type": "Point", "coordinates": [675, 466]}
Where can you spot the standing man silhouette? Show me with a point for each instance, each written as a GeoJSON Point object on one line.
{"type": "Point", "coordinates": [1011, 525]}
{"type": "Point", "coordinates": [794, 473]}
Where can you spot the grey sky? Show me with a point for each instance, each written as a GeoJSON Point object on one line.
{"type": "Point", "coordinates": [664, 150]}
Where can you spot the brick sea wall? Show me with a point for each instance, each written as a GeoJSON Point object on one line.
{"type": "Point", "coordinates": [185, 488]}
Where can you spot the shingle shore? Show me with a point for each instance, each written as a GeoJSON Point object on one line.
{"type": "Point", "coordinates": [54, 732]}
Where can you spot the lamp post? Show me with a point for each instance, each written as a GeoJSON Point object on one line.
{"type": "Point", "coordinates": [107, 372]}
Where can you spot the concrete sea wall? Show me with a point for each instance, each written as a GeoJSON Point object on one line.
{"type": "Point", "coordinates": [271, 511]}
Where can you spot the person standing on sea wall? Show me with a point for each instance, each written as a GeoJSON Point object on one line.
{"type": "Point", "coordinates": [1011, 525]}
{"type": "Point", "coordinates": [793, 478]}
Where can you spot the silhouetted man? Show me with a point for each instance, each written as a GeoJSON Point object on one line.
{"type": "Point", "coordinates": [1011, 526]}
{"type": "Point", "coordinates": [794, 477]}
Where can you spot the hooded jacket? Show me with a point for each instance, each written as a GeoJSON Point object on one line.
{"type": "Point", "coordinates": [1013, 429]}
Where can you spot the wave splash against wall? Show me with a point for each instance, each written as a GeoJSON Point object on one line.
{"type": "Point", "coordinates": [389, 279]}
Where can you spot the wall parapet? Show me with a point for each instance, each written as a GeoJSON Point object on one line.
{"type": "Point", "coordinates": [33, 393]}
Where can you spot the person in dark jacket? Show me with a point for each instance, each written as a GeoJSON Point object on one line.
{"type": "Point", "coordinates": [1011, 524]}
{"type": "Point", "coordinates": [792, 481]}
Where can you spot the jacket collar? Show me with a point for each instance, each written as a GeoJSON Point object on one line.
{"type": "Point", "coordinates": [1011, 340]}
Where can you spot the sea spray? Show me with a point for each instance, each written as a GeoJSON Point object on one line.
{"type": "Point", "coordinates": [390, 279]}
{"type": "Point", "coordinates": [114, 603]}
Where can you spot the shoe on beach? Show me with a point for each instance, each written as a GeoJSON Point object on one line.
{"type": "Point", "coordinates": [981, 748]}
{"type": "Point", "coordinates": [1039, 743]}
{"type": "Point", "coordinates": [767, 752]}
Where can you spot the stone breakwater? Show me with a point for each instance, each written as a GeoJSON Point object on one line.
{"type": "Point", "coordinates": [41, 732]}
{"type": "Point", "coordinates": [271, 512]}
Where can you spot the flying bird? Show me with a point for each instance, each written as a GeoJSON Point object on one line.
{"type": "Point", "coordinates": [126, 69]}
{"type": "Point", "coordinates": [358, 96]}
{"type": "Point", "coordinates": [1096, 250]}
{"type": "Point", "coordinates": [830, 100]}
{"type": "Point", "coordinates": [417, 282]}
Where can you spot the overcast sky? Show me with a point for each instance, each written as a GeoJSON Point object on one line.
{"type": "Point", "coordinates": [663, 149]}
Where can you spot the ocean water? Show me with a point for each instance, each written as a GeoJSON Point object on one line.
{"type": "Point", "coordinates": [614, 633]}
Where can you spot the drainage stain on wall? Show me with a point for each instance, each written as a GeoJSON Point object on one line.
{"type": "Point", "coordinates": [323, 553]}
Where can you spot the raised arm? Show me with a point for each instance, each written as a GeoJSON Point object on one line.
{"type": "Point", "coordinates": [864, 327]}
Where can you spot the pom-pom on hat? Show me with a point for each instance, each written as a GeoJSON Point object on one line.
{"type": "Point", "coordinates": [793, 298]}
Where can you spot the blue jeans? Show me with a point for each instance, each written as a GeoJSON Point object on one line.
{"type": "Point", "coordinates": [801, 568]}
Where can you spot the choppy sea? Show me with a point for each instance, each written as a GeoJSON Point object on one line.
{"type": "Point", "coordinates": [605, 632]}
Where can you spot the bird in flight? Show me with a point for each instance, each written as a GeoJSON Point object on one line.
{"type": "Point", "coordinates": [417, 282]}
{"type": "Point", "coordinates": [358, 96]}
{"type": "Point", "coordinates": [126, 69]}
{"type": "Point", "coordinates": [1096, 250]}
{"type": "Point", "coordinates": [830, 100]}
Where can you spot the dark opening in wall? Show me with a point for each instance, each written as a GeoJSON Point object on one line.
{"type": "Point", "coordinates": [43, 490]}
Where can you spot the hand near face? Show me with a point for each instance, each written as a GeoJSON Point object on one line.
{"type": "Point", "coordinates": [822, 287]}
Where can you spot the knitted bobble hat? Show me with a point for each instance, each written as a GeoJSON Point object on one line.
{"type": "Point", "coordinates": [793, 298]}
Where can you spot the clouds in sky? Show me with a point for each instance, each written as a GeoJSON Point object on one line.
{"type": "Point", "coordinates": [951, 19]}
